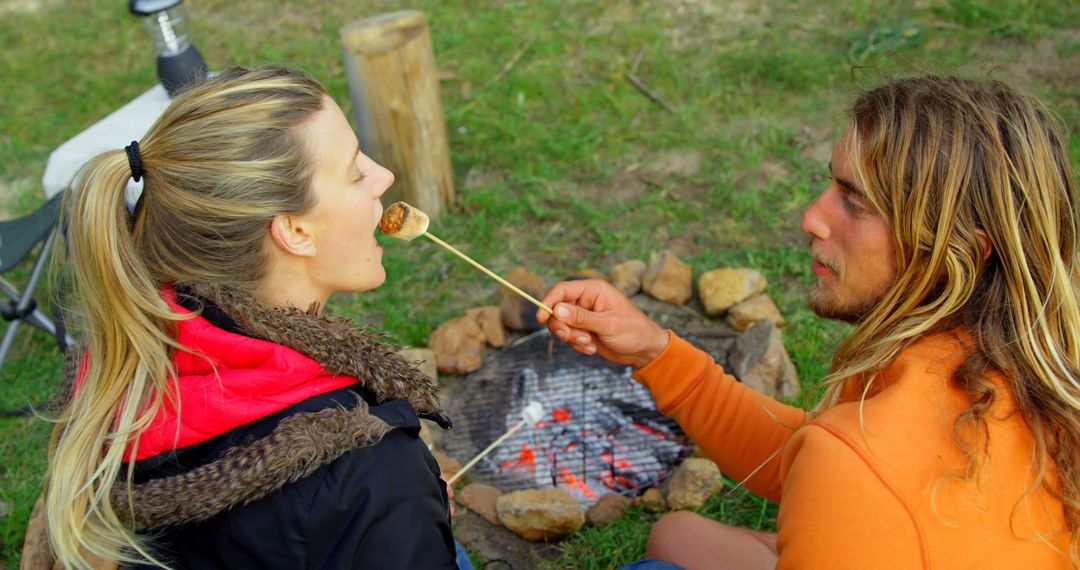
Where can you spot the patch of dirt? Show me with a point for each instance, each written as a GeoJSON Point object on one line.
{"type": "Point", "coordinates": [654, 170]}
{"type": "Point", "coordinates": [815, 144]}
{"type": "Point", "coordinates": [672, 163]}
{"type": "Point", "coordinates": [1049, 61]}
{"type": "Point", "coordinates": [18, 7]}
{"type": "Point", "coordinates": [477, 177]}
{"type": "Point", "coordinates": [624, 187]}
{"type": "Point", "coordinates": [495, 543]}
{"type": "Point", "coordinates": [692, 193]}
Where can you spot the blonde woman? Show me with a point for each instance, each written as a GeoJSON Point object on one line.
{"type": "Point", "coordinates": [218, 419]}
{"type": "Point", "coordinates": [949, 435]}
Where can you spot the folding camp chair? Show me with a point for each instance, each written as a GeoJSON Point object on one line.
{"type": "Point", "coordinates": [18, 238]}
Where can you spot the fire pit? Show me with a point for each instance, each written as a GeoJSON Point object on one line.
{"type": "Point", "coordinates": [602, 433]}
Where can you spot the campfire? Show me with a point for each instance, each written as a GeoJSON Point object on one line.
{"type": "Point", "coordinates": [601, 434]}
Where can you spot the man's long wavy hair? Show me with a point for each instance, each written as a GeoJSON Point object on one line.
{"type": "Point", "coordinates": [949, 163]}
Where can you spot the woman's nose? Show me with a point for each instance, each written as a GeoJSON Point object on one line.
{"type": "Point", "coordinates": [386, 179]}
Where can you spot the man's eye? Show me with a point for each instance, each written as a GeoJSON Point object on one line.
{"type": "Point", "coordinates": [853, 204]}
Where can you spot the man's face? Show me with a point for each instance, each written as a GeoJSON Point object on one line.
{"type": "Point", "coordinates": [854, 256]}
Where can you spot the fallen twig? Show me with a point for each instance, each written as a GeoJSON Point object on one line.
{"type": "Point", "coordinates": [637, 60]}
{"type": "Point", "coordinates": [632, 76]}
{"type": "Point", "coordinates": [510, 64]}
{"type": "Point", "coordinates": [649, 92]}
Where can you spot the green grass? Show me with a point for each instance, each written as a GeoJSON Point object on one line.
{"type": "Point", "coordinates": [623, 541]}
{"type": "Point", "coordinates": [561, 163]}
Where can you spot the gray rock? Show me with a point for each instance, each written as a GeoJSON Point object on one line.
{"type": "Point", "coordinates": [774, 374]}
{"type": "Point", "coordinates": [540, 514]}
{"type": "Point", "coordinates": [749, 348]}
{"type": "Point", "coordinates": [692, 483]}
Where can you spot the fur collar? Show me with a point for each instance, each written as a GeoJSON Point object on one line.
{"type": "Point", "coordinates": [301, 443]}
{"type": "Point", "coordinates": [338, 345]}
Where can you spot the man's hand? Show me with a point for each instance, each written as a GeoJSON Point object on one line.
{"type": "Point", "coordinates": [595, 318]}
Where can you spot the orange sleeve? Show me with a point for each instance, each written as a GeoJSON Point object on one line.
{"type": "Point", "coordinates": [738, 428]}
{"type": "Point", "coordinates": [841, 512]}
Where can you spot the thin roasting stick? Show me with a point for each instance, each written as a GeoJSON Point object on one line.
{"type": "Point", "coordinates": [530, 414]}
{"type": "Point", "coordinates": [489, 273]}
{"type": "Point", "coordinates": [486, 450]}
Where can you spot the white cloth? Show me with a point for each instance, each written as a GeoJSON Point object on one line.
{"type": "Point", "coordinates": [126, 124]}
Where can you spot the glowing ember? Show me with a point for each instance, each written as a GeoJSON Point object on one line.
{"type": "Point", "coordinates": [572, 481]}
{"type": "Point", "coordinates": [602, 432]}
{"type": "Point", "coordinates": [649, 430]}
{"type": "Point", "coordinates": [526, 459]}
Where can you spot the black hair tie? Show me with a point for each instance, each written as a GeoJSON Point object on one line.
{"type": "Point", "coordinates": [134, 160]}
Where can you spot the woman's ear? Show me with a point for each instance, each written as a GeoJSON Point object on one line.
{"type": "Point", "coordinates": [292, 235]}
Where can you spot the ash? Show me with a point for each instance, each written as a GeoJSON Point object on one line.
{"type": "Point", "coordinates": [601, 434]}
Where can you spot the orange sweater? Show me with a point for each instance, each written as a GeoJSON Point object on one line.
{"type": "Point", "coordinates": [874, 496]}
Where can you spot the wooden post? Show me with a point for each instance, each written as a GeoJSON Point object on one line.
{"type": "Point", "coordinates": [395, 95]}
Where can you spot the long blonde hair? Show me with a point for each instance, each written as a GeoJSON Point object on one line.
{"type": "Point", "coordinates": [947, 163]}
{"type": "Point", "coordinates": [219, 164]}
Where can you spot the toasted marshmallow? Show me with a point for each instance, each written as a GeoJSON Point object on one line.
{"type": "Point", "coordinates": [403, 221]}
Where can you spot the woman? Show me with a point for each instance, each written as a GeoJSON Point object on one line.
{"type": "Point", "coordinates": [218, 419]}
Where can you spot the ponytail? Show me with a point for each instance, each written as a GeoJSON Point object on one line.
{"type": "Point", "coordinates": [127, 325]}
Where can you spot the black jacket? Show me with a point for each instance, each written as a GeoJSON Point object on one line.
{"type": "Point", "coordinates": [381, 506]}
{"type": "Point", "coordinates": [339, 480]}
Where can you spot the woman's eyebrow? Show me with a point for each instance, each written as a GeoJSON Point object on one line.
{"type": "Point", "coordinates": [352, 159]}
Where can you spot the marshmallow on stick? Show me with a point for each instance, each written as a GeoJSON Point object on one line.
{"type": "Point", "coordinates": [530, 414]}
{"type": "Point", "coordinates": [403, 221]}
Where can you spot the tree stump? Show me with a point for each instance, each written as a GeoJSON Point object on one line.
{"type": "Point", "coordinates": [395, 95]}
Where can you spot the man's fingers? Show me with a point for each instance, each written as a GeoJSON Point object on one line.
{"type": "Point", "coordinates": [575, 316]}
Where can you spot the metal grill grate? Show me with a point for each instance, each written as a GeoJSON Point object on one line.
{"type": "Point", "coordinates": [602, 432]}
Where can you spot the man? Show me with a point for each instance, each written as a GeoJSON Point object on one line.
{"type": "Point", "coordinates": [949, 433]}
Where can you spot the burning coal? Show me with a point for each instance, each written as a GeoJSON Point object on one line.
{"type": "Point", "coordinates": [602, 432]}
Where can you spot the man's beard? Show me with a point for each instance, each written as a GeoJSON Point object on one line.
{"type": "Point", "coordinates": [853, 312]}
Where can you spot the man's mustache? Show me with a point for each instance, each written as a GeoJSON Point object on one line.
{"type": "Point", "coordinates": [818, 257]}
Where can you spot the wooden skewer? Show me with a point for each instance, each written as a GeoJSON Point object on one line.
{"type": "Point", "coordinates": [491, 274]}
{"type": "Point", "coordinates": [530, 414]}
{"type": "Point", "coordinates": [486, 450]}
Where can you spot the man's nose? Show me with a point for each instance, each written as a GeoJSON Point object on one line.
{"type": "Point", "coordinates": [813, 220]}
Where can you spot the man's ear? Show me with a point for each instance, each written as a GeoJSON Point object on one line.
{"type": "Point", "coordinates": [292, 235]}
{"type": "Point", "coordinates": [984, 240]}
